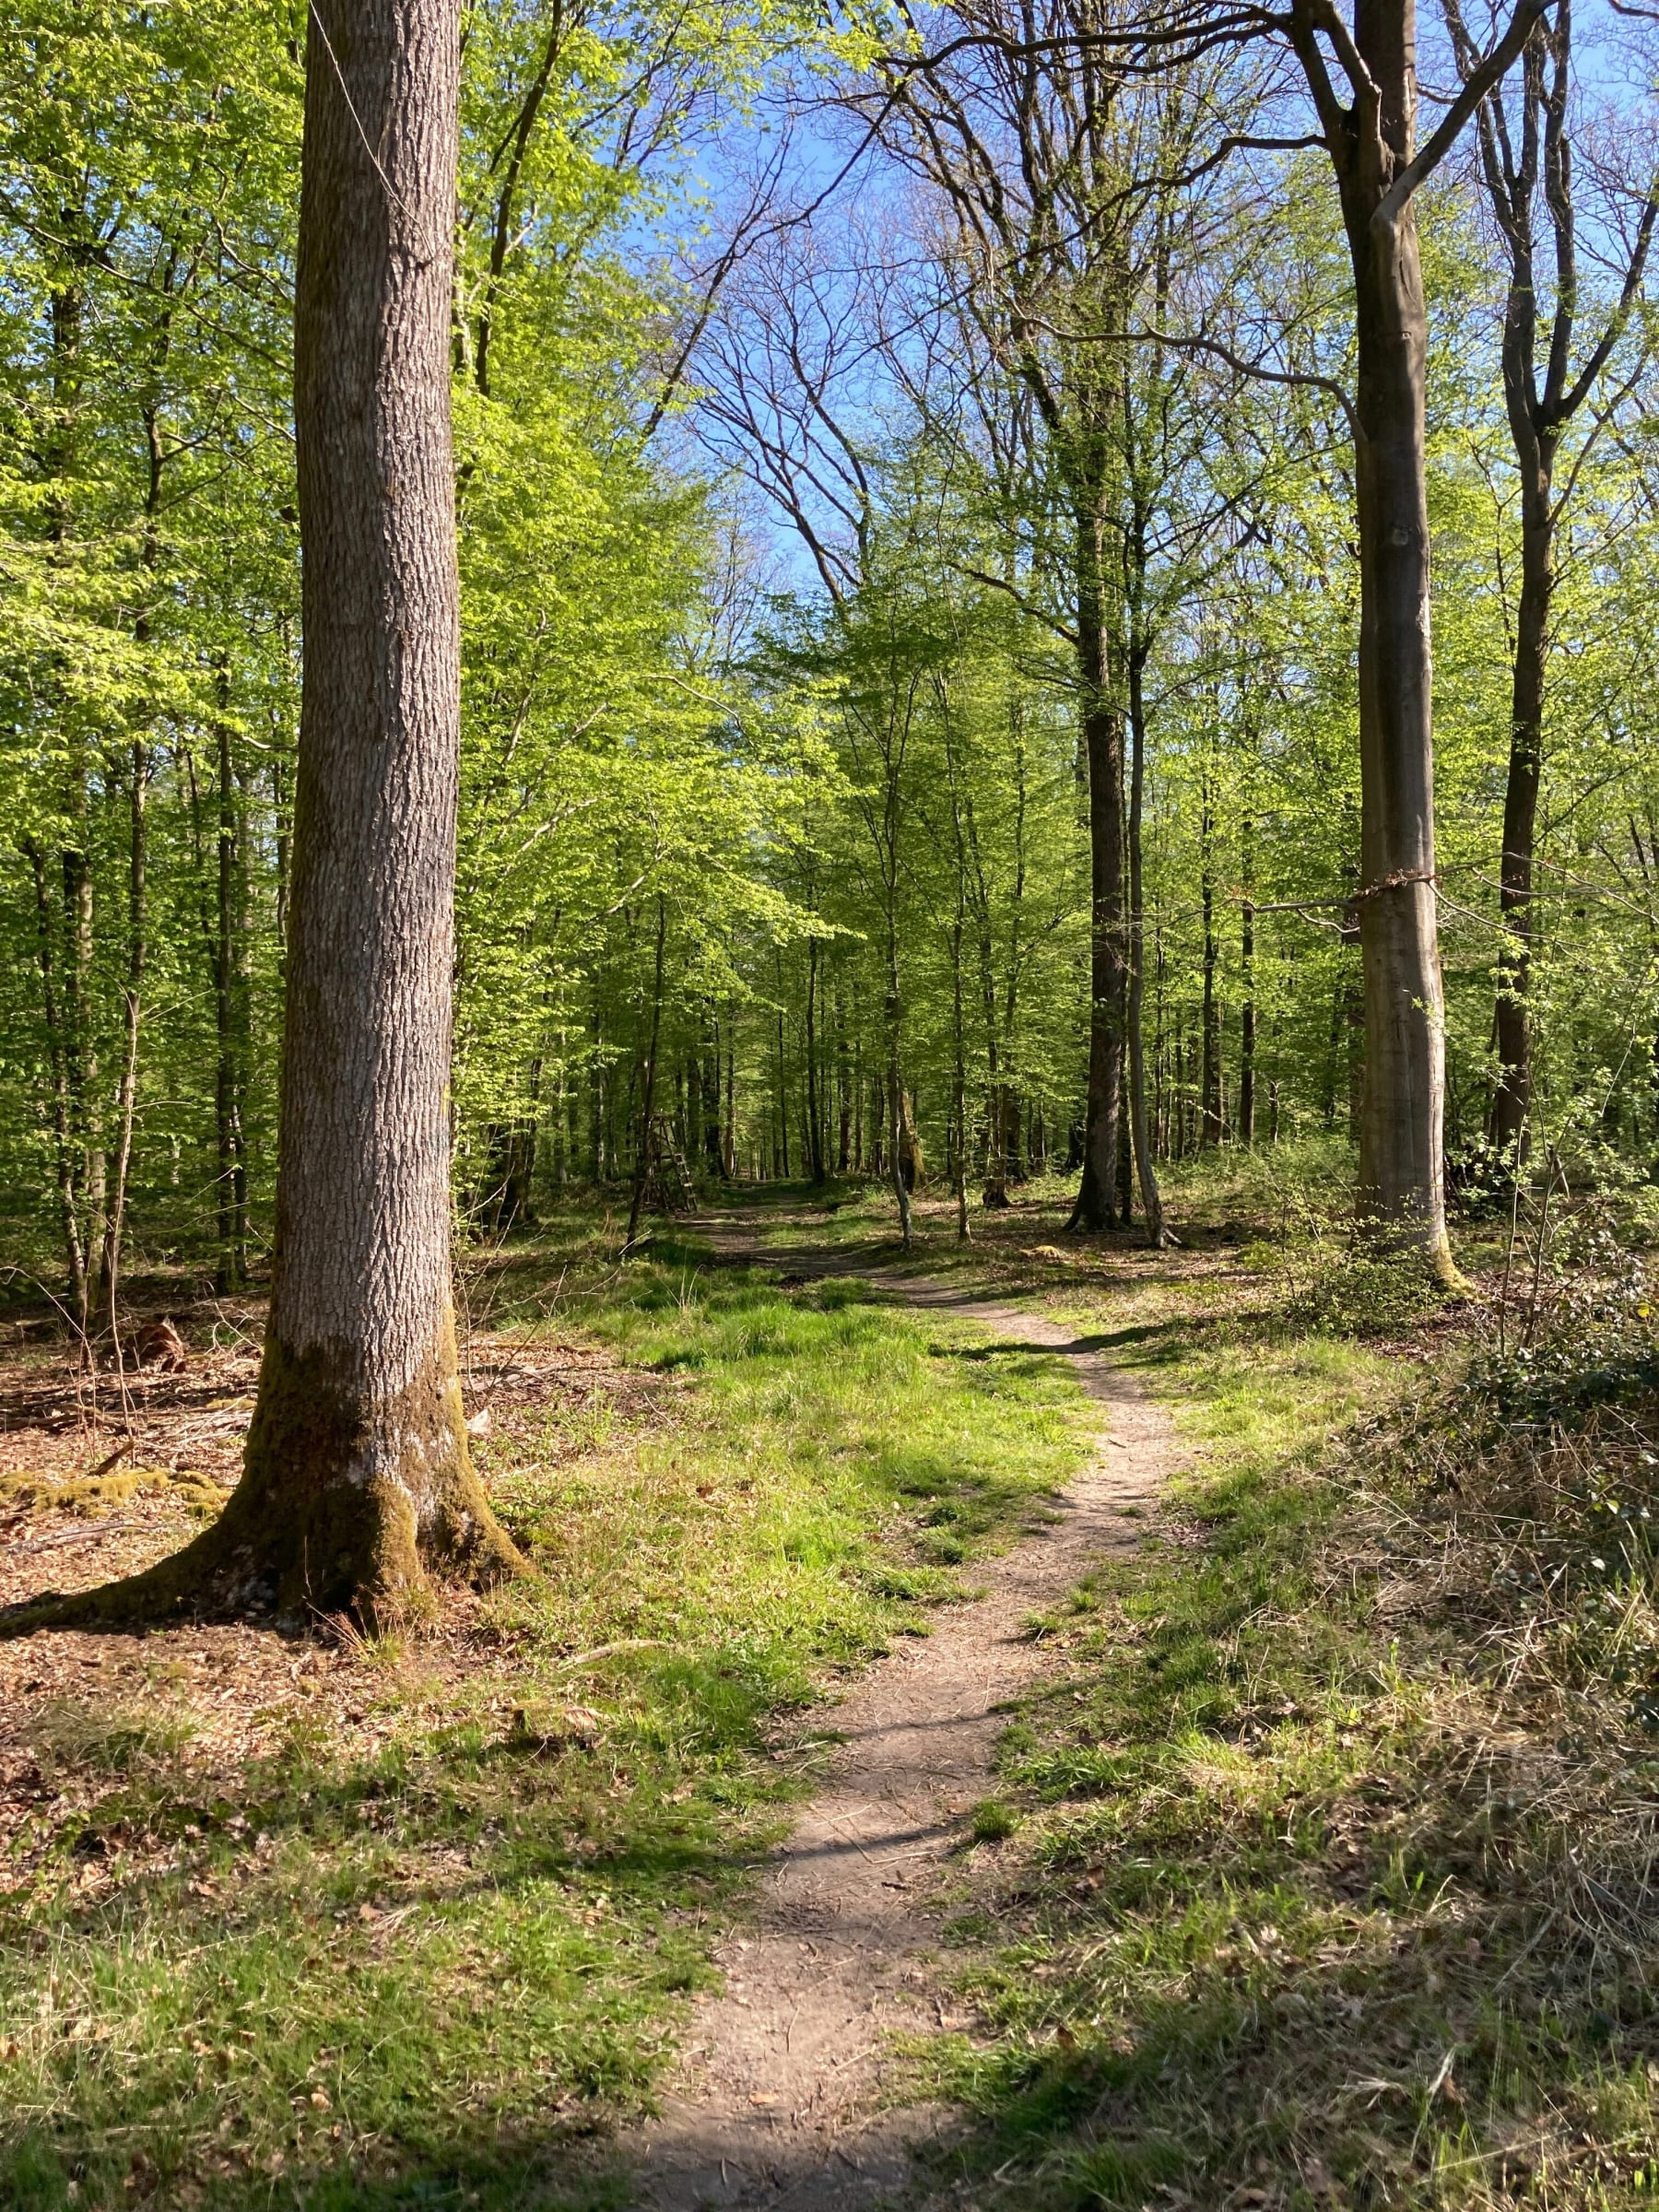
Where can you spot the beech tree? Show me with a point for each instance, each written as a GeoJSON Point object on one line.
{"type": "Point", "coordinates": [1372, 141]}
{"type": "Point", "coordinates": [358, 1480]}
{"type": "Point", "coordinates": [1526, 164]}
{"type": "Point", "coordinates": [1019, 135]}
{"type": "Point", "coordinates": [358, 1476]}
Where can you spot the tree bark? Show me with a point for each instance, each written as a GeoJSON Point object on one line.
{"type": "Point", "coordinates": [126, 1104]}
{"type": "Point", "coordinates": [1403, 1107]}
{"type": "Point", "coordinates": [814, 1134]}
{"type": "Point", "coordinates": [63, 1126]}
{"type": "Point", "coordinates": [1152, 1197]}
{"type": "Point", "coordinates": [1212, 1129]}
{"type": "Point", "coordinates": [81, 1036]}
{"type": "Point", "coordinates": [1517, 157]}
{"type": "Point", "coordinates": [229, 1000]}
{"type": "Point", "coordinates": [1103, 750]}
{"type": "Point", "coordinates": [843, 1084]}
{"type": "Point", "coordinates": [643, 1150]}
{"type": "Point", "coordinates": [1511, 1095]}
{"type": "Point", "coordinates": [1247, 1012]}
{"type": "Point", "coordinates": [958, 1094]}
{"type": "Point", "coordinates": [783, 1083]}
{"type": "Point", "coordinates": [1402, 1190]}
{"type": "Point", "coordinates": [358, 1484]}
{"type": "Point", "coordinates": [1372, 142]}
{"type": "Point", "coordinates": [133, 1001]}
{"type": "Point", "coordinates": [896, 1162]}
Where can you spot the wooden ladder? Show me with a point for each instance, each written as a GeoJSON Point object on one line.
{"type": "Point", "coordinates": [668, 1186]}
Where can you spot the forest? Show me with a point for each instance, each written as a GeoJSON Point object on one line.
{"type": "Point", "coordinates": [762, 766]}
{"type": "Point", "coordinates": [806, 501]}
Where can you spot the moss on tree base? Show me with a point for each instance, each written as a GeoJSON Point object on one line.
{"type": "Point", "coordinates": [348, 1503]}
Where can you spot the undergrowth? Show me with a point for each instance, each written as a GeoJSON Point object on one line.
{"type": "Point", "coordinates": [1332, 1873]}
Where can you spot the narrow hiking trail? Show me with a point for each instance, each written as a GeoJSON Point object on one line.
{"type": "Point", "coordinates": [778, 2099]}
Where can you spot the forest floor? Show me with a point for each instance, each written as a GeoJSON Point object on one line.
{"type": "Point", "coordinates": [782, 2097]}
{"type": "Point", "coordinates": [1288, 1843]}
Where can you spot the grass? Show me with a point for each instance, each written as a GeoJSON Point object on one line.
{"type": "Point", "coordinates": [1317, 1876]}
{"type": "Point", "coordinates": [412, 1978]}
{"type": "Point", "coordinates": [1331, 1873]}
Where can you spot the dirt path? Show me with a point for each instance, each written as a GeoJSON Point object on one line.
{"type": "Point", "coordinates": [775, 2101]}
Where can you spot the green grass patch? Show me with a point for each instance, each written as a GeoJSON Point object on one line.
{"type": "Point", "coordinates": [411, 1978]}
{"type": "Point", "coordinates": [1331, 1882]}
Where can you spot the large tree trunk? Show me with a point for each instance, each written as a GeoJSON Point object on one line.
{"type": "Point", "coordinates": [358, 1482]}
{"type": "Point", "coordinates": [1402, 1193]}
{"type": "Point", "coordinates": [358, 1479]}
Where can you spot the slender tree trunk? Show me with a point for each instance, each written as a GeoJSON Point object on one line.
{"type": "Point", "coordinates": [1513, 1094]}
{"type": "Point", "coordinates": [279, 809]}
{"type": "Point", "coordinates": [1247, 1017]}
{"type": "Point", "coordinates": [80, 1035]}
{"type": "Point", "coordinates": [814, 1155]}
{"type": "Point", "coordinates": [1151, 1198]}
{"type": "Point", "coordinates": [715, 1100]}
{"type": "Point", "coordinates": [232, 1185]}
{"type": "Point", "coordinates": [997, 1117]}
{"type": "Point", "coordinates": [1212, 1130]}
{"type": "Point", "coordinates": [959, 1099]}
{"type": "Point", "coordinates": [137, 864]}
{"type": "Point", "coordinates": [895, 1085]}
{"type": "Point", "coordinates": [730, 1152]}
{"type": "Point", "coordinates": [62, 1124]}
{"type": "Point", "coordinates": [133, 1001]}
{"type": "Point", "coordinates": [858, 1105]}
{"type": "Point", "coordinates": [1160, 1052]}
{"type": "Point", "coordinates": [63, 963]}
{"type": "Point", "coordinates": [843, 1083]}
{"type": "Point", "coordinates": [1103, 748]}
{"type": "Point", "coordinates": [1334, 1051]}
{"type": "Point", "coordinates": [644, 1149]}
{"type": "Point", "coordinates": [596, 1097]}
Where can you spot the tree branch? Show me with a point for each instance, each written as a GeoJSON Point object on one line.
{"type": "Point", "coordinates": [1476, 85]}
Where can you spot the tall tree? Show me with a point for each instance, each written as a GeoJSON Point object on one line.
{"type": "Point", "coordinates": [1526, 164]}
{"type": "Point", "coordinates": [358, 1479]}
{"type": "Point", "coordinates": [1372, 141]}
{"type": "Point", "coordinates": [1018, 134]}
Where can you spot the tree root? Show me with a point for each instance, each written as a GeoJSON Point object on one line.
{"type": "Point", "coordinates": [219, 1576]}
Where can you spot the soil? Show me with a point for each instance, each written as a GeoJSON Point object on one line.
{"type": "Point", "coordinates": [104, 1472]}
{"type": "Point", "coordinates": [785, 2095]}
